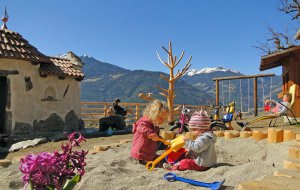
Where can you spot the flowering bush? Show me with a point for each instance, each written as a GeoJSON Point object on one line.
{"type": "Point", "coordinates": [57, 170]}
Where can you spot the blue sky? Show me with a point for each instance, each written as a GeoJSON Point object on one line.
{"type": "Point", "coordinates": [128, 33]}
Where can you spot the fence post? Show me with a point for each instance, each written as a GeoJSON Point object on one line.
{"type": "Point", "coordinates": [105, 110]}
{"type": "Point", "coordinates": [137, 112]}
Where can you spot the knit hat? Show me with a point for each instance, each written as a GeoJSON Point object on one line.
{"type": "Point", "coordinates": [200, 120]}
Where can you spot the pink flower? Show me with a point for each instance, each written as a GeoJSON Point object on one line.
{"type": "Point", "coordinates": [53, 169]}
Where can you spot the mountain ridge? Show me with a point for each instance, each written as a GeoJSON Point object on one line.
{"type": "Point", "coordinates": [105, 81]}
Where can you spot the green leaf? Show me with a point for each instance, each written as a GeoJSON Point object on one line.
{"type": "Point", "coordinates": [30, 185]}
{"type": "Point", "coordinates": [70, 184]}
{"type": "Point", "coordinates": [49, 187]}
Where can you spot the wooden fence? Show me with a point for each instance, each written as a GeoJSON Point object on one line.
{"type": "Point", "coordinates": [91, 112]}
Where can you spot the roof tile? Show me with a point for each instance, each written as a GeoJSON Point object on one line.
{"type": "Point", "coordinates": [61, 67]}
{"type": "Point", "coordinates": [13, 45]}
{"type": "Point", "coordinates": [11, 40]}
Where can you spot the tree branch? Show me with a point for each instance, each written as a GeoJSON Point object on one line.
{"type": "Point", "coordinates": [290, 7]}
{"type": "Point", "coordinates": [162, 89]}
{"type": "Point", "coordinates": [163, 94]}
{"type": "Point", "coordinates": [181, 56]}
{"type": "Point", "coordinates": [163, 77]}
{"type": "Point", "coordinates": [163, 62]}
{"type": "Point", "coordinates": [183, 71]}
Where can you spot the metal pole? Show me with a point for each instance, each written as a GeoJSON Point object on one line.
{"type": "Point", "coordinates": [255, 95]}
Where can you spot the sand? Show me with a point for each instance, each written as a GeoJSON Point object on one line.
{"type": "Point", "coordinates": [238, 160]}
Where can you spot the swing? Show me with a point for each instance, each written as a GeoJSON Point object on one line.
{"type": "Point", "coordinates": [241, 96]}
{"type": "Point", "coordinates": [222, 94]}
{"type": "Point", "coordinates": [269, 106]}
{"type": "Point", "coordinates": [263, 91]}
{"type": "Point", "coordinates": [228, 91]}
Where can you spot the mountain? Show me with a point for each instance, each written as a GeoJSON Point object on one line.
{"type": "Point", "coordinates": [104, 82]}
{"type": "Point", "coordinates": [94, 68]}
{"type": "Point", "coordinates": [202, 79]}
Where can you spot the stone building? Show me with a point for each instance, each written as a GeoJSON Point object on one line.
{"type": "Point", "coordinates": [38, 93]}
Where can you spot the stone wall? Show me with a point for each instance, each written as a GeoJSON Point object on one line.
{"type": "Point", "coordinates": [40, 104]}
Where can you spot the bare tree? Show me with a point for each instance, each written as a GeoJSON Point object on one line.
{"type": "Point", "coordinates": [276, 41]}
{"type": "Point", "coordinates": [171, 64]}
{"type": "Point", "coordinates": [290, 7]}
{"type": "Point", "coordinates": [264, 48]}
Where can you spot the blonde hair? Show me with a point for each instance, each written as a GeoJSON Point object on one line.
{"type": "Point", "coordinates": [289, 96]}
{"type": "Point", "coordinates": [154, 108]}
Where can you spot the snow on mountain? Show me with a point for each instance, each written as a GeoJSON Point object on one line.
{"type": "Point", "coordinates": [87, 56]}
{"type": "Point", "coordinates": [60, 55]}
{"type": "Point", "coordinates": [192, 72]}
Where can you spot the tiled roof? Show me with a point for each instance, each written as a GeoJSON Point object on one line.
{"type": "Point", "coordinates": [14, 46]}
{"type": "Point", "coordinates": [60, 67]}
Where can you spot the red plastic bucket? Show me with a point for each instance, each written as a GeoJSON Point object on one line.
{"type": "Point", "coordinates": [174, 157]}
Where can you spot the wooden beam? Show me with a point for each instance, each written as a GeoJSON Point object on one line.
{"type": "Point", "coordinates": [6, 72]}
{"type": "Point", "coordinates": [244, 77]}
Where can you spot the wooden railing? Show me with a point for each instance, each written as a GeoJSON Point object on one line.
{"type": "Point", "coordinates": [91, 112]}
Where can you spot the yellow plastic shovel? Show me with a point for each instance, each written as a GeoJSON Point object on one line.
{"type": "Point", "coordinates": [175, 145]}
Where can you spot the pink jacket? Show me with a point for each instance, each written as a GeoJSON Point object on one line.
{"type": "Point", "coordinates": [143, 148]}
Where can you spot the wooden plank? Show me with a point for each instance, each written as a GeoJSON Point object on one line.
{"type": "Point", "coordinates": [92, 114]}
{"type": "Point", "coordinates": [291, 164]}
{"type": "Point", "coordinates": [245, 134]}
{"type": "Point", "coordinates": [294, 152]}
{"type": "Point", "coordinates": [287, 173]}
{"type": "Point", "coordinates": [92, 109]}
{"type": "Point", "coordinates": [259, 135]}
{"type": "Point", "coordinates": [244, 77]}
{"type": "Point", "coordinates": [231, 134]}
{"type": "Point", "coordinates": [288, 135]}
{"type": "Point", "coordinates": [94, 119]}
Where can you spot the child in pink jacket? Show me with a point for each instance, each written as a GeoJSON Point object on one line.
{"type": "Point", "coordinates": [146, 132]}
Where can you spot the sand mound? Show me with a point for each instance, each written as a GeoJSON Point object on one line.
{"type": "Point", "coordinates": [238, 160]}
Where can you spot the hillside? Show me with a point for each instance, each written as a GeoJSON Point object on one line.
{"type": "Point", "coordinates": [104, 82]}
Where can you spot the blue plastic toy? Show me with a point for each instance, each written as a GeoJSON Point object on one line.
{"type": "Point", "coordinates": [213, 186]}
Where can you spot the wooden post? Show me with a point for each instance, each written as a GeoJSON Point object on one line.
{"type": "Point", "coordinates": [275, 135]}
{"type": "Point", "coordinates": [137, 112]}
{"type": "Point", "coordinates": [288, 135]}
{"type": "Point", "coordinates": [255, 95]}
{"type": "Point", "coordinates": [259, 135]}
{"type": "Point", "coordinates": [217, 92]}
{"type": "Point", "coordinates": [105, 110]}
{"type": "Point", "coordinates": [245, 134]}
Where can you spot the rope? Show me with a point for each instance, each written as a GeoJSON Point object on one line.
{"type": "Point", "coordinates": [222, 93]}
{"type": "Point", "coordinates": [248, 94]}
{"type": "Point", "coordinates": [263, 91]}
{"type": "Point", "coordinates": [228, 91]}
{"type": "Point", "coordinates": [271, 88]}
